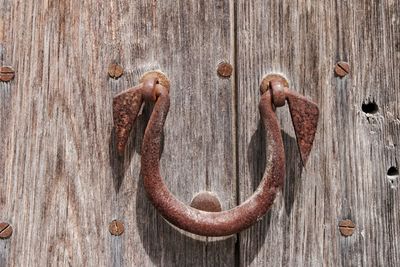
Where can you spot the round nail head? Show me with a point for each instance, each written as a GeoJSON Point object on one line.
{"type": "Point", "coordinates": [346, 228]}
{"type": "Point", "coordinates": [225, 69]}
{"type": "Point", "coordinates": [115, 71]}
{"type": "Point", "coordinates": [5, 230]}
{"type": "Point", "coordinates": [342, 69]}
{"type": "Point", "coordinates": [6, 74]}
{"type": "Point", "coordinates": [116, 228]}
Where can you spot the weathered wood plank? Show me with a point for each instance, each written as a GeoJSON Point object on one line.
{"type": "Point", "coordinates": [346, 174]}
{"type": "Point", "coordinates": [60, 182]}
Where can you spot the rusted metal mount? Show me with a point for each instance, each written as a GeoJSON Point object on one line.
{"type": "Point", "coordinates": [198, 218]}
{"type": "Point", "coordinates": [304, 113]}
{"type": "Point", "coordinates": [127, 104]}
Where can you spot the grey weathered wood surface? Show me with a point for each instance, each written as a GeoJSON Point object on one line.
{"type": "Point", "coordinates": [346, 175]}
{"type": "Point", "coordinates": [60, 182]}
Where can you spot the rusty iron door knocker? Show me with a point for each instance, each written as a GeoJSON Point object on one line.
{"type": "Point", "coordinates": [155, 87]}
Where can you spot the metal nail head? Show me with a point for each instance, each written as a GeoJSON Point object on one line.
{"type": "Point", "coordinates": [342, 69]}
{"type": "Point", "coordinates": [224, 69]}
{"type": "Point", "coordinates": [5, 230]}
{"type": "Point", "coordinates": [346, 228]}
{"type": "Point", "coordinates": [116, 228]}
{"type": "Point", "coordinates": [6, 74]}
{"type": "Point", "coordinates": [115, 71]}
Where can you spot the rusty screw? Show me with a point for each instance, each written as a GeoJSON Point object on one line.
{"type": "Point", "coordinates": [342, 68]}
{"type": "Point", "coordinates": [224, 69]}
{"type": "Point", "coordinates": [115, 71]}
{"type": "Point", "coordinates": [346, 228]}
{"type": "Point", "coordinates": [5, 230]}
{"type": "Point", "coordinates": [116, 228]}
{"type": "Point", "coordinates": [6, 74]}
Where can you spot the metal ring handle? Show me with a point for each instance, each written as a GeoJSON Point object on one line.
{"type": "Point", "coordinates": [200, 222]}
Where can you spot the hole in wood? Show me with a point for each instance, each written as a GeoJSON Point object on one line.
{"type": "Point", "coordinates": [393, 175]}
{"type": "Point", "coordinates": [393, 172]}
{"type": "Point", "coordinates": [370, 107]}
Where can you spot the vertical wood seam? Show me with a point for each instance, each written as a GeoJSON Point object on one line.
{"type": "Point", "coordinates": [235, 124]}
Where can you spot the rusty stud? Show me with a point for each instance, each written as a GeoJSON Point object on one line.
{"type": "Point", "coordinates": [279, 95]}
{"type": "Point", "coordinates": [5, 230]}
{"type": "Point", "coordinates": [346, 228]}
{"type": "Point", "coordinates": [224, 69]}
{"type": "Point", "coordinates": [206, 201]}
{"type": "Point", "coordinates": [266, 82]}
{"type": "Point", "coordinates": [159, 75]}
{"type": "Point", "coordinates": [115, 71]}
{"type": "Point", "coordinates": [116, 228]}
{"type": "Point", "coordinates": [6, 74]}
{"type": "Point", "coordinates": [342, 69]}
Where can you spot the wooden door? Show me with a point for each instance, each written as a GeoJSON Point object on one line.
{"type": "Point", "coordinates": [61, 184]}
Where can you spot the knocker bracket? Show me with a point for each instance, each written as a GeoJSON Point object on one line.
{"type": "Point", "coordinates": [198, 219]}
{"type": "Point", "coordinates": [127, 104]}
{"type": "Point", "coordinates": [304, 113]}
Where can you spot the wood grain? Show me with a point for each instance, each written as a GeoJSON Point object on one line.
{"type": "Point", "coordinates": [346, 175]}
{"type": "Point", "coordinates": [61, 184]}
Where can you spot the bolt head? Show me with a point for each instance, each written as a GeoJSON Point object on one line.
{"type": "Point", "coordinates": [161, 76]}
{"type": "Point", "coordinates": [224, 69]}
{"type": "Point", "coordinates": [266, 82]}
{"type": "Point", "coordinates": [6, 74]}
{"type": "Point", "coordinates": [115, 71]}
{"type": "Point", "coordinates": [346, 228]}
{"type": "Point", "coordinates": [116, 228]}
{"type": "Point", "coordinates": [206, 201]}
{"type": "Point", "coordinates": [342, 69]}
{"type": "Point", "coordinates": [5, 230]}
